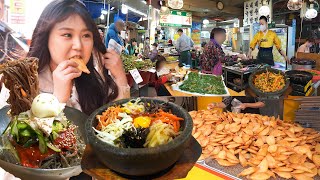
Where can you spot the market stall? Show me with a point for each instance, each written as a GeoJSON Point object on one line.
{"type": "Point", "coordinates": [179, 76]}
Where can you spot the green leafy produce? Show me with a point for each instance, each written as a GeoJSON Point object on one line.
{"type": "Point", "coordinates": [171, 58]}
{"type": "Point", "coordinates": [130, 62]}
{"type": "Point", "coordinates": [203, 84]}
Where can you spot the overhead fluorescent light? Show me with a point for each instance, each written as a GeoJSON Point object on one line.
{"type": "Point", "coordinates": [311, 13]}
{"type": "Point", "coordinates": [102, 16]}
{"type": "Point", "coordinates": [264, 11]}
{"type": "Point", "coordinates": [205, 21]}
{"type": "Point", "coordinates": [112, 8]}
{"type": "Point", "coordinates": [124, 9]}
{"type": "Point", "coordinates": [136, 11]}
{"type": "Point", "coordinates": [104, 11]}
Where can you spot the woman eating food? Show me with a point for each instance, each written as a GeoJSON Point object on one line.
{"type": "Point", "coordinates": [74, 64]}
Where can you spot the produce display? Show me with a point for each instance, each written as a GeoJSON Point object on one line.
{"type": "Point", "coordinates": [136, 124]}
{"type": "Point", "coordinates": [264, 146]}
{"type": "Point", "coordinates": [269, 81]}
{"type": "Point", "coordinates": [203, 84]}
{"type": "Point", "coordinates": [38, 135]}
{"type": "Point", "coordinates": [172, 58]}
{"type": "Point", "coordinates": [131, 62]}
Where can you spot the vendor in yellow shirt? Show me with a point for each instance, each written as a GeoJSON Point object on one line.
{"type": "Point", "coordinates": [265, 39]}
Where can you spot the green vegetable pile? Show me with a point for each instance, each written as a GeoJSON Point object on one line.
{"type": "Point", "coordinates": [129, 63]}
{"type": "Point", "coordinates": [27, 136]}
{"type": "Point", "coordinates": [203, 84]}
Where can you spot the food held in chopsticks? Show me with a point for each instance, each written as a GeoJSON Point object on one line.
{"type": "Point", "coordinates": [81, 65]}
{"type": "Point", "coordinates": [21, 78]}
{"type": "Point", "coordinates": [265, 146]}
{"type": "Point", "coordinates": [41, 136]}
{"type": "Point", "coordinates": [269, 81]}
{"type": "Point", "coordinates": [137, 125]}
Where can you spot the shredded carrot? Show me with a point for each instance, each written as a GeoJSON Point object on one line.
{"type": "Point", "coordinates": [108, 116]}
{"type": "Point", "coordinates": [169, 119]}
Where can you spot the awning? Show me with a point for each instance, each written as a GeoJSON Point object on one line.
{"type": "Point", "coordinates": [94, 9]}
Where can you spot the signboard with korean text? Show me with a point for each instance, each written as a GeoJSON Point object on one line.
{"type": "Point", "coordinates": [251, 11]}
{"type": "Point", "coordinates": [176, 19]}
{"type": "Point", "coordinates": [17, 8]}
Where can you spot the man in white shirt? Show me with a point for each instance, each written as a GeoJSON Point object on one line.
{"type": "Point", "coordinates": [183, 46]}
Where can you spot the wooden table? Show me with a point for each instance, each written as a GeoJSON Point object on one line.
{"type": "Point", "coordinates": [178, 93]}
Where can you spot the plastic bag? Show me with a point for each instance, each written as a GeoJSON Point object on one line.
{"type": "Point", "coordinates": [236, 106]}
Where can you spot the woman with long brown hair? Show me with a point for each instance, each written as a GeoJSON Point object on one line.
{"type": "Point", "coordinates": [65, 30]}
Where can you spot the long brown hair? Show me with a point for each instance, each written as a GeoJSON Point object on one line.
{"type": "Point", "coordinates": [93, 90]}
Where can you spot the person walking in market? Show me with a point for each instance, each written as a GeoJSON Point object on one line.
{"type": "Point", "coordinates": [133, 47]}
{"type": "Point", "coordinates": [305, 48]}
{"type": "Point", "coordinates": [183, 46]}
{"type": "Point", "coordinates": [265, 39]}
{"type": "Point", "coordinates": [213, 56]}
{"type": "Point", "coordinates": [113, 33]}
{"type": "Point", "coordinates": [146, 47]}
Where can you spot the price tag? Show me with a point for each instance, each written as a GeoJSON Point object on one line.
{"type": "Point", "coordinates": [136, 75]}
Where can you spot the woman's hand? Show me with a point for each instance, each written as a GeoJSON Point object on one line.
{"type": "Point", "coordinates": [169, 76]}
{"type": "Point", "coordinates": [63, 77]}
{"type": "Point", "coordinates": [211, 106]}
{"type": "Point", "coordinates": [287, 59]}
{"type": "Point", "coordinates": [249, 56]}
{"type": "Point", "coordinates": [112, 61]}
{"type": "Point", "coordinates": [243, 106]}
{"type": "Point", "coordinates": [216, 105]}
{"type": "Point", "coordinates": [242, 56]}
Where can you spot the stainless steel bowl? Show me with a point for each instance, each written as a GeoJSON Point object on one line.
{"type": "Point", "coordinates": [78, 118]}
{"type": "Point", "coordinates": [298, 66]}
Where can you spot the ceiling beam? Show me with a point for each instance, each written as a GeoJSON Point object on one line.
{"type": "Point", "coordinates": [235, 2]}
{"type": "Point", "coordinates": [211, 6]}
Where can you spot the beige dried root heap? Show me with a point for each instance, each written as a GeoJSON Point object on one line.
{"type": "Point", "coordinates": [265, 145]}
{"type": "Point", "coordinates": [21, 78]}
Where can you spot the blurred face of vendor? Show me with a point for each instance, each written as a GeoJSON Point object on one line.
{"type": "Point", "coordinates": [160, 66]}
{"type": "Point", "coordinates": [134, 43]}
{"type": "Point", "coordinates": [220, 37]}
{"type": "Point", "coordinates": [70, 38]}
{"type": "Point", "coordinates": [120, 26]}
{"type": "Point", "coordinates": [154, 47]}
{"type": "Point", "coordinates": [263, 25]}
{"type": "Point", "coordinates": [309, 44]}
